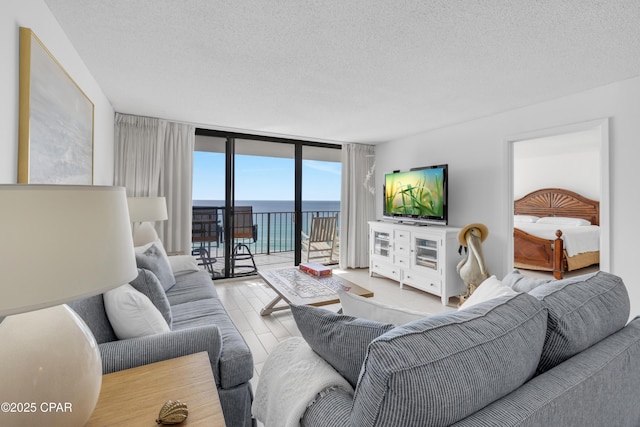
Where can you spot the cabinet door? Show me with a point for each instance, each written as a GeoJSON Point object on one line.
{"type": "Point", "coordinates": [425, 253]}
{"type": "Point", "coordinates": [381, 243]}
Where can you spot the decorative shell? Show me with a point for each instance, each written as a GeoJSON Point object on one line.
{"type": "Point", "coordinates": [172, 412]}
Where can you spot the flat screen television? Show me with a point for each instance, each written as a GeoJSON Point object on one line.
{"type": "Point", "coordinates": [417, 195]}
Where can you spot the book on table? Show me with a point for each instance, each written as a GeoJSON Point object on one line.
{"type": "Point", "coordinates": [315, 269]}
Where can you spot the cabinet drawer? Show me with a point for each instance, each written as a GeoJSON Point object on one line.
{"type": "Point", "coordinates": [384, 269]}
{"type": "Point", "coordinates": [402, 248]}
{"type": "Point", "coordinates": [423, 282]}
{"type": "Point", "coordinates": [401, 236]}
{"type": "Point", "coordinates": [402, 261]}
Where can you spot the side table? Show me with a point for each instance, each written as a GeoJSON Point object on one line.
{"type": "Point", "coordinates": [133, 397]}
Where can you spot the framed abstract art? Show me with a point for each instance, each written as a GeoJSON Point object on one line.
{"type": "Point", "coordinates": [55, 129]}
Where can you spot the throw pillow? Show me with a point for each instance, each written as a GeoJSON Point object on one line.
{"type": "Point", "coordinates": [582, 311]}
{"type": "Point", "coordinates": [489, 289]}
{"type": "Point", "coordinates": [181, 264]}
{"type": "Point", "coordinates": [153, 259]}
{"type": "Point", "coordinates": [150, 286]}
{"type": "Point", "coordinates": [159, 245]}
{"type": "Point", "coordinates": [144, 233]}
{"type": "Point", "coordinates": [339, 339]}
{"type": "Point", "coordinates": [441, 369]}
{"type": "Point", "coordinates": [132, 314]}
{"type": "Point", "coordinates": [367, 308]}
{"type": "Point", "coordinates": [521, 283]}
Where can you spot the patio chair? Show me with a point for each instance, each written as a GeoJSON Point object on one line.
{"type": "Point", "coordinates": [205, 226]}
{"type": "Point", "coordinates": [205, 230]}
{"type": "Point", "coordinates": [247, 232]}
{"type": "Point", "coordinates": [320, 243]}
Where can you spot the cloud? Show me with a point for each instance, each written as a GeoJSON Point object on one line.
{"type": "Point", "coordinates": [330, 167]}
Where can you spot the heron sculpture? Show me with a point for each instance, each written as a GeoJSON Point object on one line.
{"type": "Point", "coordinates": [473, 269]}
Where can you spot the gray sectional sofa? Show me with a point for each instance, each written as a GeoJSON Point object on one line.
{"type": "Point", "coordinates": [562, 354]}
{"type": "Point", "coordinates": [198, 322]}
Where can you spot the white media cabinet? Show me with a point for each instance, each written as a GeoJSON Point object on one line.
{"type": "Point", "coordinates": [423, 257]}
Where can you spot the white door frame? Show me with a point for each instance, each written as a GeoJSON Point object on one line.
{"type": "Point", "coordinates": [603, 126]}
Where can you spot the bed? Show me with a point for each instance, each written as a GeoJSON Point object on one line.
{"type": "Point", "coordinates": [556, 230]}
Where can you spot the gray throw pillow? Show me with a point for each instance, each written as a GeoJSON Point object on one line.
{"type": "Point", "coordinates": [583, 310]}
{"type": "Point", "coordinates": [441, 369]}
{"type": "Point", "coordinates": [339, 339]}
{"type": "Point", "coordinates": [521, 283]}
{"type": "Point", "coordinates": [149, 285]}
{"type": "Point", "coordinates": [153, 259]}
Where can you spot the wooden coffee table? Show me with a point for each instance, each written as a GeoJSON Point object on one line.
{"type": "Point", "coordinates": [296, 287]}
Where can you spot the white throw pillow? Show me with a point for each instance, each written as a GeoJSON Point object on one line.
{"type": "Point", "coordinates": [489, 289]}
{"type": "Point", "coordinates": [132, 314]}
{"type": "Point", "coordinates": [367, 308]}
{"type": "Point", "coordinates": [144, 233]}
{"type": "Point", "coordinates": [183, 264]}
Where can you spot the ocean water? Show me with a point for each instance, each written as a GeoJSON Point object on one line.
{"type": "Point", "coordinates": [276, 230]}
{"type": "Point", "coordinates": [276, 205]}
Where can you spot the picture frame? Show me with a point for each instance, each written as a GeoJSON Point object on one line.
{"type": "Point", "coordinates": [56, 119]}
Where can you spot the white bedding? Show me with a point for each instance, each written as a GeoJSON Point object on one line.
{"type": "Point", "coordinates": [577, 239]}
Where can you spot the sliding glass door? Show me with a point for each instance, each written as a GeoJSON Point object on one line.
{"type": "Point", "coordinates": [264, 192]}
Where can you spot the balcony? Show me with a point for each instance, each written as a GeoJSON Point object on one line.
{"type": "Point", "coordinates": [274, 243]}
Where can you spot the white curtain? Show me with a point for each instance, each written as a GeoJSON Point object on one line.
{"type": "Point", "coordinates": [154, 157]}
{"type": "Point", "coordinates": [357, 204]}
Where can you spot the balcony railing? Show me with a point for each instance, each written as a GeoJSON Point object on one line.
{"type": "Point", "coordinates": [274, 233]}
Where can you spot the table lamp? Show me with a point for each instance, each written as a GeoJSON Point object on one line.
{"type": "Point", "coordinates": [146, 209]}
{"type": "Point", "coordinates": [57, 244]}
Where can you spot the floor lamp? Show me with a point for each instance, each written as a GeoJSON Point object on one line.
{"type": "Point", "coordinates": [57, 244]}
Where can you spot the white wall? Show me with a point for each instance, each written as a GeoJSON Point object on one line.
{"type": "Point", "coordinates": [35, 14]}
{"type": "Point", "coordinates": [476, 154]}
{"type": "Point", "coordinates": [570, 161]}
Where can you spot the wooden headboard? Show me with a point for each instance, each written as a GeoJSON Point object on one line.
{"type": "Point", "coordinates": [558, 202]}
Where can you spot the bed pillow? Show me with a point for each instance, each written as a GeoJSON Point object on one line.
{"type": "Point", "coordinates": [132, 314]}
{"type": "Point", "coordinates": [521, 283]}
{"type": "Point", "coordinates": [559, 220]}
{"type": "Point", "coordinates": [368, 308]}
{"type": "Point", "coordinates": [154, 260]}
{"type": "Point", "coordinates": [339, 339]}
{"type": "Point", "coordinates": [489, 289]}
{"type": "Point", "coordinates": [525, 218]}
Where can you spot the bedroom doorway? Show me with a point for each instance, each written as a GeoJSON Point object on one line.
{"type": "Point", "coordinates": [580, 151]}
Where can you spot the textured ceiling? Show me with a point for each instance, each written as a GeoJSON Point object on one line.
{"type": "Point", "coordinates": [347, 70]}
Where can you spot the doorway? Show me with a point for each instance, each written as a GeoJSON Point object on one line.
{"type": "Point", "coordinates": [555, 144]}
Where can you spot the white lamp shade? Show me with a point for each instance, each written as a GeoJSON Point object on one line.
{"type": "Point", "coordinates": [62, 243]}
{"type": "Point", "coordinates": [147, 209]}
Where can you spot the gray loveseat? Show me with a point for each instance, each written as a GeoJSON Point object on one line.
{"type": "Point", "coordinates": [198, 322]}
{"type": "Point", "coordinates": [559, 355]}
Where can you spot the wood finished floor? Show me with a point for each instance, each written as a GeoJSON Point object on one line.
{"type": "Point", "coordinates": [244, 299]}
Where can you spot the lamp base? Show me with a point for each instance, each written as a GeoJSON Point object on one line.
{"type": "Point", "coordinates": [50, 367]}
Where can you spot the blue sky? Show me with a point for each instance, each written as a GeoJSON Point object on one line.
{"type": "Point", "coordinates": [264, 178]}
